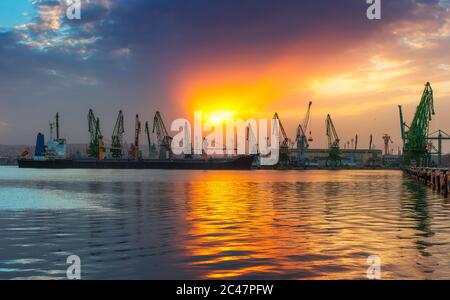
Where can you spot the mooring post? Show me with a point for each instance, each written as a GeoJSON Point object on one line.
{"type": "Point", "coordinates": [444, 183]}
{"type": "Point", "coordinates": [438, 182]}
{"type": "Point", "coordinates": [433, 179]}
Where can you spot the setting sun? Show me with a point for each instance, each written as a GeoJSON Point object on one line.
{"type": "Point", "coordinates": [219, 116]}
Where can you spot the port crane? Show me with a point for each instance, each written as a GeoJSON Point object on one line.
{"type": "Point", "coordinates": [301, 139]}
{"type": "Point", "coordinates": [96, 145]}
{"type": "Point", "coordinates": [284, 145]}
{"type": "Point", "coordinates": [137, 132]}
{"type": "Point", "coordinates": [116, 149]}
{"type": "Point", "coordinates": [334, 155]}
{"type": "Point", "coordinates": [151, 146]}
{"type": "Point", "coordinates": [163, 137]}
{"type": "Point", "coordinates": [415, 137]}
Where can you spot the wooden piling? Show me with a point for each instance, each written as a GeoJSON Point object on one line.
{"type": "Point", "coordinates": [437, 179]}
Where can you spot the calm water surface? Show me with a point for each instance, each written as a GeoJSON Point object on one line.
{"type": "Point", "coordinates": [150, 224]}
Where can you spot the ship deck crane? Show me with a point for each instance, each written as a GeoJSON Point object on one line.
{"type": "Point", "coordinates": [163, 137]}
{"type": "Point", "coordinates": [96, 145]}
{"type": "Point", "coordinates": [284, 145]}
{"type": "Point", "coordinates": [334, 155]}
{"type": "Point", "coordinates": [117, 137]}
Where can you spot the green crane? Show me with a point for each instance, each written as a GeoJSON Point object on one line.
{"type": "Point", "coordinates": [96, 146]}
{"type": "Point", "coordinates": [163, 137]}
{"type": "Point", "coordinates": [117, 137]}
{"type": "Point", "coordinates": [415, 136]}
{"type": "Point", "coordinates": [151, 146]}
{"type": "Point", "coordinates": [334, 155]}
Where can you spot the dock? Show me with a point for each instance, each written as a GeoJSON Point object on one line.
{"type": "Point", "coordinates": [435, 178]}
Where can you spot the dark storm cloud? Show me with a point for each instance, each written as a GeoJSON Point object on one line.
{"type": "Point", "coordinates": [180, 29]}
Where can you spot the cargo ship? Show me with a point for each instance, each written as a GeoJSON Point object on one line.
{"type": "Point", "coordinates": [236, 163]}
{"type": "Point", "coordinates": [53, 155]}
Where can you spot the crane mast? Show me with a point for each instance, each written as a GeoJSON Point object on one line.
{"type": "Point", "coordinates": [117, 137]}
{"type": "Point", "coordinates": [162, 136]}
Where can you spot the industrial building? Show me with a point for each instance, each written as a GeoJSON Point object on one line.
{"type": "Point", "coordinates": [349, 157]}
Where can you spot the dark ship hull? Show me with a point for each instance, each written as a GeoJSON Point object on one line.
{"type": "Point", "coordinates": [237, 163]}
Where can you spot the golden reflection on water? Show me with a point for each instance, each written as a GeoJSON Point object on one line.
{"type": "Point", "coordinates": [315, 225]}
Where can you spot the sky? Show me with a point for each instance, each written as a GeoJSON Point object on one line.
{"type": "Point", "coordinates": [248, 57]}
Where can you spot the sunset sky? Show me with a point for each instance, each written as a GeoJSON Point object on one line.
{"type": "Point", "coordinates": [249, 57]}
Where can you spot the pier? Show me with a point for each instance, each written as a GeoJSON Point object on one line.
{"type": "Point", "coordinates": [435, 178]}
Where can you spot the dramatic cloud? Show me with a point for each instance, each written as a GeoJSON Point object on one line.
{"type": "Point", "coordinates": [251, 56]}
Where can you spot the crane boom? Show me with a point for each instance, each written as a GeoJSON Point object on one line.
{"type": "Point", "coordinates": [284, 144]}
{"type": "Point", "coordinates": [306, 120]}
{"type": "Point", "coordinates": [283, 132]}
{"type": "Point", "coordinates": [301, 139]}
{"type": "Point", "coordinates": [333, 138]}
{"type": "Point", "coordinates": [333, 143]}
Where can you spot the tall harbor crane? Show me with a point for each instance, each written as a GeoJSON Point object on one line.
{"type": "Point", "coordinates": [163, 137]}
{"type": "Point", "coordinates": [96, 145]}
{"type": "Point", "coordinates": [301, 139]}
{"type": "Point", "coordinates": [117, 137]}
{"type": "Point", "coordinates": [151, 146]}
{"type": "Point", "coordinates": [334, 155]}
{"type": "Point", "coordinates": [284, 144]}
{"type": "Point", "coordinates": [137, 132]}
{"type": "Point", "coordinates": [415, 136]}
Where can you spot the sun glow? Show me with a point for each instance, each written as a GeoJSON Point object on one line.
{"type": "Point", "coordinates": [219, 116]}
